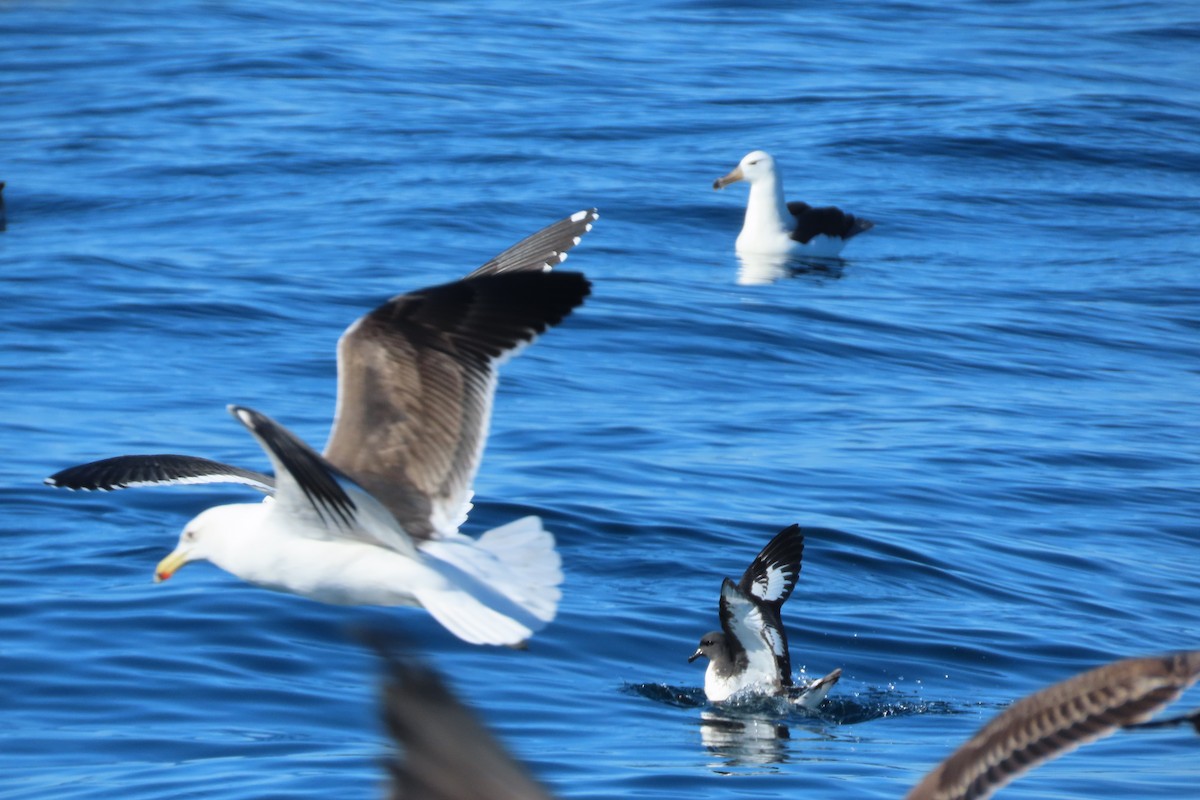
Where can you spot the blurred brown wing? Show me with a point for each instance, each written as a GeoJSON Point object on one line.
{"type": "Point", "coordinates": [445, 753]}
{"type": "Point", "coordinates": [1056, 720]}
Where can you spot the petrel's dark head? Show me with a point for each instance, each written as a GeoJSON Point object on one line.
{"type": "Point", "coordinates": [711, 644]}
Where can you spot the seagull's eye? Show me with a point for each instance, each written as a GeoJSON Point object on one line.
{"type": "Point", "coordinates": [752, 163]}
{"type": "Point", "coordinates": [189, 536]}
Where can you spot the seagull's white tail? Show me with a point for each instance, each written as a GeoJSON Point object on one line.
{"type": "Point", "coordinates": [506, 583]}
{"type": "Point", "coordinates": [531, 568]}
{"type": "Point", "coordinates": [474, 619]}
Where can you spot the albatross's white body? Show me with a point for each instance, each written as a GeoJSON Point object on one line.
{"type": "Point", "coordinates": [767, 227]}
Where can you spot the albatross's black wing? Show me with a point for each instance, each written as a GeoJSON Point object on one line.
{"type": "Point", "coordinates": [826, 221]}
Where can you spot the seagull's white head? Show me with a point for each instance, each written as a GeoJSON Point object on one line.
{"type": "Point", "coordinates": [753, 166]}
{"type": "Point", "coordinates": [205, 538]}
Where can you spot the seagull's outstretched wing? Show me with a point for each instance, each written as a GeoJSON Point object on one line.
{"type": "Point", "coordinates": [416, 378]}
{"type": "Point", "coordinates": [770, 579]}
{"type": "Point", "coordinates": [751, 641]}
{"type": "Point", "coordinates": [1058, 719]}
{"type": "Point", "coordinates": [544, 250]}
{"type": "Point", "coordinates": [307, 485]}
{"type": "Point", "coordinates": [444, 752]}
{"type": "Point", "coordinates": [164, 469]}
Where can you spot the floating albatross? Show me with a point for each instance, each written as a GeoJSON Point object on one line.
{"type": "Point", "coordinates": [749, 655]}
{"type": "Point", "coordinates": [774, 226]}
{"type": "Point", "coordinates": [374, 521]}
{"type": "Point", "coordinates": [445, 753]}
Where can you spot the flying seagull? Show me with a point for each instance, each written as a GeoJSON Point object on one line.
{"type": "Point", "coordinates": [776, 227]}
{"type": "Point", "coordinates": [374, 520]}
{"type": "Point", "coordinates": [749, 655]}
{"type": "Point", "coordinates": [445, 753]}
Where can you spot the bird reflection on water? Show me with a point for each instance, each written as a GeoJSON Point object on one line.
{"type": "Point", "coordinates": [758, 730]}
{"type": "Point", "coordinates": [759, 269]}
{"type": "Point", "coordinates": [743, 741]}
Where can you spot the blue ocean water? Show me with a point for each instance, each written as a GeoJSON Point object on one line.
{"type": "Point", "coordinates": [987, 413]}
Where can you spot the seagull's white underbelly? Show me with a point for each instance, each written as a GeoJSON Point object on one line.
{"type": "Point", "coordinates": [338, 572]}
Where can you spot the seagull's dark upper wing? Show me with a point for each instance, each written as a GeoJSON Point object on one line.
{"type": "Point", "coordinates": [307, 485]}
{"type": "Point", "coordinates": [162, 469]}
{"type": "Point", "coordinates": [770, 579]}
{"type": "Point", "coordinates": [416, 378]}
{"type": "Point", "coordinates": [299, 470]}
{"type": "Point", "coordinates": [544, 250]}
{"type": "Point", "coordinates": [1056, 720]}
{"type": "Point", "coordinates": [827, 221]}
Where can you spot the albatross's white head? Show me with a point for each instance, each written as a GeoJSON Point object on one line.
{"type": "Point", "coordinates": [209, 537]}
{"type": "Point", "coordinates": [753, 167]}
